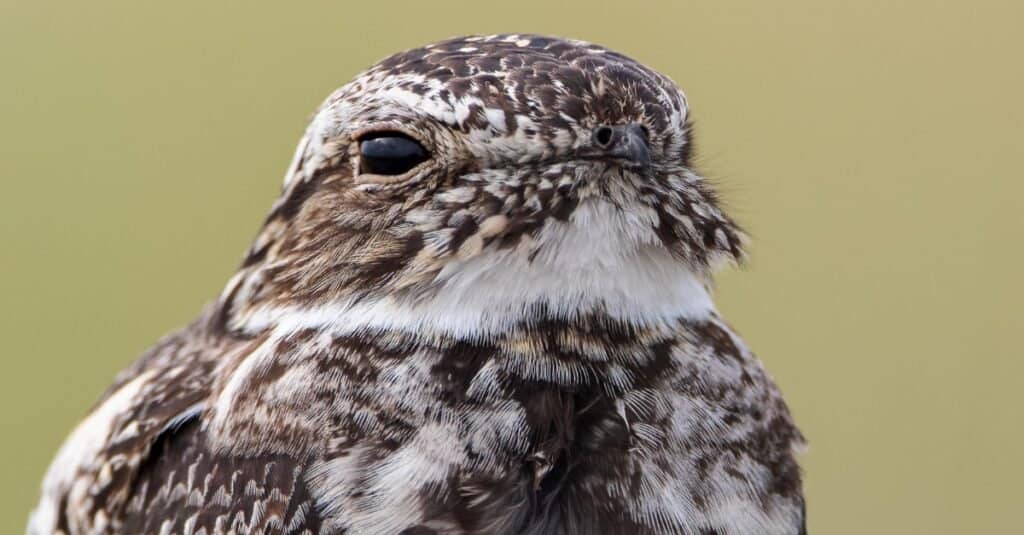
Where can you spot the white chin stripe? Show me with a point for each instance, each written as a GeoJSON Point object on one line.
{"type": "Point", "coordinates": [603, 260]}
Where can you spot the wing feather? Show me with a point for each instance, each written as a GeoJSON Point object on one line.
{"type": "Point", "coordinates": [141, 461]}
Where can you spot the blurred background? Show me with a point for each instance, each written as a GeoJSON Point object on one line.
{"type": "Point", "coordinates": [872, 149]}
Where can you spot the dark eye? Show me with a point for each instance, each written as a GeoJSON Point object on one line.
{"type": "Point", "coordinates": [389, 153]}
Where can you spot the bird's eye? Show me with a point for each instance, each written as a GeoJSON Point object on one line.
{"type": "Point", "coordinates": [389, 153]}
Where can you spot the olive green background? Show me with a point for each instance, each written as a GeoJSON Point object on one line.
{"type": "Point", "coordinates": [872, 149]}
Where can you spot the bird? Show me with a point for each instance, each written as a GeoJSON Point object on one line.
{"type": "Point", "coordinates": [481, 304]}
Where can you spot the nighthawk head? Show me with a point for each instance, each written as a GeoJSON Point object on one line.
{"type": "Point", "coordinates": [491, 175]}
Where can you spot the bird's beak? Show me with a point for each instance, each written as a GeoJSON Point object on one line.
{"type": "Point", "coordinates": [632, 145]}
{"type": "Point", "coordinates": [626, 142]}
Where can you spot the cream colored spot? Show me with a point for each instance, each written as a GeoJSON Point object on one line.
{"type": "Point", "coordinates": [492, 226]}
{"type": "Point", "coordinates": [471, 247]}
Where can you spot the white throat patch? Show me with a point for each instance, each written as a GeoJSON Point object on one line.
{"type": "Point", "coordinates": [603, 259]}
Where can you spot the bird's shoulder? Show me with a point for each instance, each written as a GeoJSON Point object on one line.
{"type": "Point", "coordinates": [140, 460]}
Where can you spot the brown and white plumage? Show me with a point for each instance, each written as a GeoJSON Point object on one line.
{"type": "Point", "coordinates": [515, 335]}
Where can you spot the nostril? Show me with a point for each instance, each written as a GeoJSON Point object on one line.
{"type": "Point", "coordinates": [604, 136]}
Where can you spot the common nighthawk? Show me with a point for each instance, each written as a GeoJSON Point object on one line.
{"type": "Point", "coordinates": [480, 306]}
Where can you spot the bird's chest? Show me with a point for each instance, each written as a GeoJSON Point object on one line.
{"type": "Point", "coordinates": [523, 456]}
{"type": "Point", "coordinates": [529, 434]}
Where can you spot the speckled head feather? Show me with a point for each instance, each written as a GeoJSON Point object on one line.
{"type": "Point", "coordinates": [509, 123]}
{"type": "Point", "coordinates": [481, 305]}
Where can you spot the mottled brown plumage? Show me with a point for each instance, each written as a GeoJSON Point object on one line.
{"type": "Point", "coordinates": [506, 328]}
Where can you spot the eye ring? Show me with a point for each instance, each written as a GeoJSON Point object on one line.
{"type": "Point", "coordinates": [389, 154]}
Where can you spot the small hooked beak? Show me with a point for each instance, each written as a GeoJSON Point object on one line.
{"type": "Point", "coordinates": [627, 142]}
